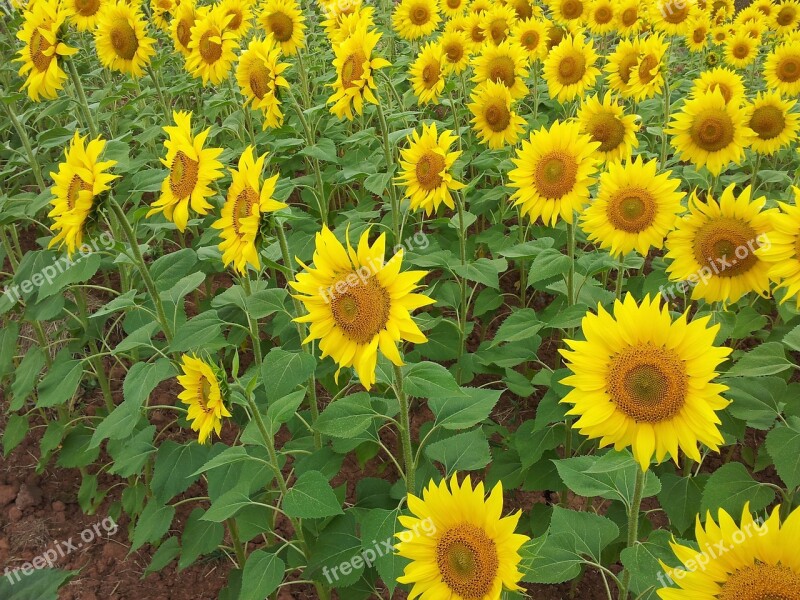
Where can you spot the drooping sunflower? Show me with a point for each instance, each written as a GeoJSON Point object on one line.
{"type": "Point", "coordinates": [426, 73]}
{"type": "Point", "coordinates": [607, 123]}
{"type": "Point", "coordinates": [240, 13]}
{"type": "Point", "coordinates": [782, 69]}
{"type": "Point", "coordinates": [787, 16]}
{"type": "Point", "coordinates": [783, 250]}
{"type": "Point", "coordinates": [493, 115]}
{"type": "Point", "coordinates": [554, 170]}
{"type": "Point", "coordinates": [635, 208]}
{"type": "Point", "coordinates": [629, 17]}
{"type": "Point", "coordinates": [506, 64]}
{"type": "Point", "coordinates": [622, 62]}
{"type": "Point", "coordinates": [414, 19]}
{"type": "Point", "coordinates": [212, 48]}
{"type": "Point", "coordinates": [285, 21]}
{"type": "Point", "coordinates": [568, 11]}
{"type": "Point", "coordinates": [186, 14]}
{"type": "Point", "coordinates": [698, 32]}
{"type": "Point", "coordinates": [357, 304]}
{"type": "Point", "coordinates": [774, 123]}
{"type": "Point", "coordinates": [531, 35]}
{"type": "Point", "coordinates": [455, 51]}
{"type": "Point", "coordinates": [600, 17]}
{"type": "Point", "coordinates": [259, 75]}
{"type": "Point", "coordinates": [121, 39]}
{"type": "Point", "coordinates": [760, 560]}
{"type": "Point", "coordinates": [497, 23]}
{"type": "Point", "coordinates": [644, 381]}
{"type": "Point", "coordinates": [248, 198]}
{"type": "Point", "coordinates": [730, 84]}
{"type": "Point", "coordinates": [741, 50]}
{"type": "Point", "coordinates": [83, 13]}
{"type": "Point", "coordinates": [79, 180]}
{"type": "Point", "coordinates": [203, 394]}
{"type": "Point", "coordinates": [717, 242]}
{"type": "Point", "coordinates": [355, 67]}
{"type": "Point", "coordinates": [41, 34]}
{"type": "Point", "coordinates": [192, 168]}
{"type": "Point", "coordinates": [647, 77]}
{"type": "Point", "coordinates": [570, 68]}
{"type": "Point", "coordinates": [471, 551]}
{"type": "Point", "coordinates": [426, 169]}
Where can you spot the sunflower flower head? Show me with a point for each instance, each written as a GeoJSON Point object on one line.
{"type": "Point", "coordinates": [260, 76]}
{"type": "Point", "coordinates": [204, 394]}
{"type": "Point", "coordinates": [121, 39]}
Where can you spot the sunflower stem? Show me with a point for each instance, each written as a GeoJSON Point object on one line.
{"type": "Point", "coordinates": [456, 125]}
{"type": "Point", "coordinates": [251, 323]}
{"type": "Point", "coordinates": [238, 547]}
{"type": "Point", "coordinates": [754, 180]}
{"type": "Point", "coordinates": [405, 431]}
{"type": "Point", "coordinates": [620, 280]}
{"type": "Point", "coordinates": [322, 202]}
{"type": "Point", "coordinates": [161, 98]}
{"type": "Point", "coordinates": [26, 143]}
{"type": "Point", "coordinates": [389, 156]}
{"type": "Point", "coordinates": [633, 526]}
{"type": "Point", "coordinates": [571, 271]}
{"type": "Point", "coordinates": [664, 137]}
{"type": "Point", "coordinates": [87, 113]}
{"type": "Point", "coordinates": [462, 313]}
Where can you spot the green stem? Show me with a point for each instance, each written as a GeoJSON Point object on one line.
{"type": "Point", "coordinates": [620, 280]}
{"type": "Point", "coordinates": [238, 547]}
{"type": "Point", "coordinates": [405, 431]}
{"type": "Point", "coordinates": [633, 526]}
{"type": "Point", "coordinates": [322, 201]}
{"type": "Point", "coordinates": [26, 143]}
{"type": "Point", "coordinates": [87, 113]}
{"type": "Point", "coordinates": [252, 323]}
{"type": "Point", "coordinates": [161, 98]}
{"type": "Point", "coordinates": [571, 272]}
{"type": "Point", "coordinates": [462, 313]}
{"type": "Point", "coordinates": [389, 157]}
{"type": "Point", "coordinates": [95, 360]}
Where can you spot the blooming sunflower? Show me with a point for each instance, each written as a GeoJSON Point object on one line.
{"type": "Point", "coordinates": [554, 170]}
{"type": "Point", "coordinates": [622, 62]}
{"type": "Point", "coordinates": [763, 561]}
{"type": "Point", "coordinates": [628, 15]}
{"type": "Point", "coordinates": [80, 179]}
{"type": "Point", "coordinates": [479, 6]}
{"type": "Point", "coordinates": [211, 48]}
{"type": "Point", "coordinates": [506, 64]}
{"type": "Point", "coordinates": [357, 304]}
{"type": "Point", "coordinates": [741, 50]}
{"type": "Point", "coordinates": [647, 78]}
{"type": "Point", "coordinates": [600, 17]}
{"type": "Point", "coordinates": [455, 51]}
{"type": "Point", "coordinates": [285, 21]}
{"type": "Point", "coordinates": [672, 18]}
{"type": "Point", "coordinates": [426, 169]}
{"type": "Point", "coordinates": [203, 395]}
{"type": "Point", "coordinates": [782, 69]}
{"type": "Point", "coordinates": [730, 85]}
{"type": "Point", "coordinates": [474, 31]}
{"type": "Point", "coordinates": [41, 34]}
{"type": "Point", "coordinates": [497, 23]}
{"type": "Point", "coordinates": [186, 14]}
{"type": "Point", "coordinates": [160, 11]}
{"type": "Point", "coordinates": [83, 13]}
{"type": "Point", "coordinates": [635, 208]}
{"type": "Point", "coordinates": [341, 23]}
{"type": "Point", "coordinates": [355, 67]}
{"type": "Point", "coordinates": [783, 250]}
{"type": "Point", "coordinates": [121, 39]}
{"type": "Point", "coordinates": [531, 36]}
{"type": "Point", "coordinates": [192, 169]}
{"type": "Point", "coordinates": [493, 116]}
{"type": "Point", "coordinates": [459, 544]}
{"type": "Point", "coordinates": [787, 16]}
{"type": "Point", "coordinates": [453, 8]}
{"type": "Point", "coordinates": [697, 33]}
{"type": "Point", "coordinates": [644, 381]}
{"type": "Point", "coordinates": [570, 68]}
{"type": "Point", "coordinates": [259, 75]}
{"type": "Point", "coordinates": [240, 13]}
{"type": "Point", "coordinates": [568, 11]}
{"type": "Point", "coordinates": [248, 198]}
{"type": "Point", "coordinates": [772, 120]}
{"type": "Point", "coordinates": [717, 242]}
{"type": "Point", "coordinates": [525, 9]}
{"type": "Point", "coordinates": [414, 19]}
{"type": "Point", "coordinates": [607, 123]}
{"type": "Point", "coordinates": [426, 73]}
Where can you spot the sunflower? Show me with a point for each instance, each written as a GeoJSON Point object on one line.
{"type": "Point", "coordinates": [192, 169]}
{"type": "Point", "coordinates": [211, 48]}
{"type": "Point", "coordinates": [414, 19]}
{"type": "Point", "coordinates": [493, 116]}
{"type": "Point", "coordinates": [185, 17]}
{"type": "Point", "coordinates": [427, 78]}
{"type": "Point", "coordinates": [40, 32]}
{"type": "Point", "coordinates": [720, 34]}
{"type": "Point", "coordinates": [80, 179]}
{"type": "Point", "coordinates": [554, 170]}
{"type": "Point", "coordinates": [697, 34]}
{"type": "Point", "coordinates": [754, 29]}
{"type": "Point", "coordinates": [345, 24]}
{"type": "Point", "coordinates": [774, 123]}
{"type": "Point", "coordinates": [506, 64]}
{"type": "Point", "coordinates": [260, 74]}
{"type": "Point", "coordinates": [525, 9]}
{"type": "Point", "coordinates": [628, 16]}
{"type": "Point", "coordinates": [721, 9]}
{"type": "Point", "coordinates": [672, 17]}
{"type": "Point", "coordinates": [83, 13]}
{"type": "Point", "coordinates": [453, 8]}
{"type": "Point", "coordinates": [455, 51]}
{"type": "Point", "coordinates": [708, 132]}
{"type": "Point", "coordinates": [647, 77]}
{"type": "Point", "coordinates": [601, 18]}
{"type": "Point", "coordinates": [160, 11]}
{"type": "Point", "coordinates": [285, 21]}
{"type": "Point", "coordinates": [783, 250]}
{"type": "Point", "coordinates": [240, 13]}
{"type": "Point", "coordinates": [763, 562]}
{"type": "Point", "coordinates": [635, 208]}
{"type": "Point", "coordinates": [531, 36]}
{"type": "Point", "coordinates": [473, 27]}
{"type": "Point", "coordinates": [782, 69]}
{"type": "Point", "coordinates": [471, 550]}
{"type": "Point", "coordinates": [480, 6]}
{"type": "Point", "coordinates": [357, 304]}
{"type": "Point", "coordinates": [355, 67]}
{"type": "Point", "coordinates": [717, 242]}
{"type": "Point", "coordinates": [787, 16]}
{"type": "Point", "coordinates": [607, 123]}
{"type": "Point", "coordinates": [764, 7]}
{"type": "Point", "coordinates": [644, 381]}
{"type": "Point", "coordinates": [248, 199]}
{"type": "Point", "coordinates": [497, 23]}
{"type": "Point", "coordinates": [426, 169]}
{"type": "Point", "coordinates": [203, 395]}
{"type": "Point", "coordinates": [730, 85]}
{"type": "Point", "coordinates": [570, 68]}
{"type": "Point", "coordinates": [621, 65]}
{"type": "Point", "coordinates": [568, 11]}
{"type": "Point", "coordinates": [121, 39]}
{"type": "Point", "coordinates": [555, 34]}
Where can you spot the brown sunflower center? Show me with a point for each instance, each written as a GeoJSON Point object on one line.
{"type": "Point", "coordinates": [762, 582]}
{"type": "Point", "coordinates": [184, 32]}
{"type": "Point", "coordinates": [419, 15]}
{"type": "Point", "coordinates": [768, 122]}
{"type": "Point", "coordinates": [362, 310]}
{"type": "Point", "coordinates": [501, 70]}
{"type": "Point", "coordinates": [629, 16]}
{"type": "Point", "coordinates": [677, 12]}
{"type": "Point", "coordinates": [498, 29]}
{"type": "Point", "coordinates": [603, 15]}
{"type": "Point", "coordinates": [124, 40]}
{"type": "Point", "coordinates": [204, 394]}
{"type": "Point", "coordinates": [281, 25]}
{"type": "Point", "coordinates": [555, 36]}
{"type": "Point", "coordinates": [497, 116]}
{"type": "Point", "coordinates": [87, 8]}
{"type": "Point", "coordinates": [648, 383]}
{"type": "Point", "coordinates": [243, 206]}
{"type": "Point", "coordinates": [607, 129]}
{"type": "Point", "coordinates": [210, 50]}
{"type": "Point", "coordinates": [259, 81]}
{"type": "Point", "coordinates": [789, 69]}
{"type": "Point", "coordinates": [786, 16]}
{"type": "Point", "coordinates": [468, 561]}
{"type": "Point", "coordinates": [37, 47]}
{"type": "Point", "coordinates": [725, 245]}
{"type": "Point", "coordinates": [626, 65]}
{"type": "Point", "coordinates": [429, 170]}
{"type": "Point", "coordinates": [530, 40]}
{"type": "Point", "coordinates": [724, 89]}
{"type": "Point", "coordinates": [712, 130]}
{"type": "Point", "coordinates": [648, 68]}
{"type": "Point", "coordinates": [741, 51]}
{"type": "Point", "coordinates": [431, 75]}
{"type": "Point", "coordinates": [571, 69]}
{"type": "Point", "coordinates": [556, 174]}
{"type": "Point", "coordinates": [476, 33]}
{"type": "Point", "coordinates": [183, 175]}
{"type": "Point", "coordinates": [453, 4]}
{"type": "Point", "coordinates": [353, 69]}
{"type": "Point", "coordinates": [523, 9]}
{"type": "Point", "coordinates": [699, 35]}
{"type": "Point", "coordinates": [454, 51]}
{"type": "Point", "coordinates": [74, 189]}
{"type": "Point", "coordinates": [571, 9]}
{"type": "Point", "coordinates": [631, 209]}
{"type": "Point", "coordinates": [237, 19]}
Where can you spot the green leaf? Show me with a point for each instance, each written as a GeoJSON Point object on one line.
{"type": "Point", "coordinates": [41, 584]}
{"type": "Point", "coordinates": [643, 562]}
{"type": "Point", "coordinates": [520, 325]}
{"type": "Point", "coordinates": [171, 268]}
{"type": "Point", "coordinates": [783, 445]}
{"type": "Point", "coordinates": [199, 537]}
{"type": "Point", "coordinates": [756, 400]}
{"type": "Point", "coordinates": [462, 452]}
{"type": "Point", "coordinates": [175, 468]}
{"type": "Point", "coordinates": [347, 417]}
{"type": "Point", "coordinates": [730, 487]}
{"type": "Point", "coordinates": [333, 552]}
{"type": "Point", "coordinates": [466, 410]}
{"type": "Point", "coordinates": [483, 271]}
{"type": "Point", "coordinates": [25, 377]}
{"type": "Point", "coordinates": [60, 382]}
{"type": "Point", "coordinates": [766, 359]}
{"type": "Point", "coordinates": [792, 339]}
{"type": "Point", "coordinates": [15, 431]}
{"type": "Point", "coordinates": [547, 264]}
{"type": "Point", "coordinates": [203, 331]}
{"type": "Point", "coordinates": [9, 335]}
{"type": "Point", "coordinates": [263, 573]}
{"type": "Point", "coordinates": [130, 454]}
{"type": "Point", "coordinates": [532, 443]}
{"type": "Point", "coordinates": [429, 380]}
{"type": "Point", "coordinates": [283, 371]}
{"type": "Point", "coordinates": [680, 498]}
{"type": "Point", "coordinates": [377, 526]}
{"type": "Point", "coordinates": [153, 523]}
{"type": "Point", "coordinates": [227, 505]}
{"type": "Point", "coordinates": [184, 286]}
{"type": "Point", "coordinates": [311, 497]}
{"type": "Point", "coordinates": [165, 554]}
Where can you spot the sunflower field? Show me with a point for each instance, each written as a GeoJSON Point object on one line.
{"type": "Point", "coordinates": [438, 299]}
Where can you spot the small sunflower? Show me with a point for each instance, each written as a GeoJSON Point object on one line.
{"type": "Point", "coordinates": [185, 17]}
{"type": "Point", "coordinates": [426, 169]}
{"type": "Point", "coordinates": [635, 209]}
{"type": "Point", "coordinates": [555, 34]}
{"type": "Point", "coordinates": [730, 85]}
{"type": "Point", "coordinates": [787, 16]}
{"type": "Point", "coordinates": [121, 39]}
{"type": "Point", "coordinates": [455, 51]}
{"type": "Point", "coordinates": [83, 13]}
{"type": "Point", "coordinates": [783, 250]}
{"type": "Point", "coordinates": [531, 36]}
{"type": "Point", "coordinates": [673, 18]}
{"type": "Point", "coordinates": [285, 21]}
{"type": "Point", "coordinates": [506, 64]}
{"type": "Point", "coordinates": [697, 33]}
{"type": "Point", "coordinates": [493, 116]}
{"type": "Point", "coordinates": [426, 73]}
{"type": "Point", "coordinates": [720, 34]}
{"type": "Point", "coordinates": [80, 179]}
{"type": "Point", "coordinates": [192, 168]}
{"type": "Point", "coordinates": [474, 31]}
{"type": "Point", "coordinates": [629, 17]}
{"type": "Point", "coordinates": [160, 11]}
{"type": "Point", "coordinates": [644, 381]}
{"type": "Point", "coordinates": [471, 552]}
{"type": "Point", "coordinates": [240, 13]}
{"type": "Point", "coordinates": [240, 222]}
{"type": "Point", "coordinates": [568, 11]}
{"type": "Point", "coordinates": [570, 68]}
{"type": "Point", "coordinates": [622, 63]}
{"type": "Point", "coordinates": [554, 170]}
{"type": "Point", "coordinates": [211, 48]}
{"type": "Point", "coordinates": [414, 19]}
{"type": "Point", "coordinates": [717, 242]}
{"type": "Point", "coordinates": [357, 304]}
{"type": "Point", "coordinates": [497, 23]}
{"type": "Point", "coordinates": [774, 123]}
{"type": "Point", "coordinates": [647, 77]}
{"type": "Point", "coordinates": [607, 123]}
{"type": "Point", "coordinates": [203, 395]}
{"type": "Point", "coordinates": [741, 50]}
{"type": "Point", "coordinates": [601, 18]}
{"type": "Point", "coordinates": [782, 69]}
{"type": "Point", "coordinates": [259, 75]}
